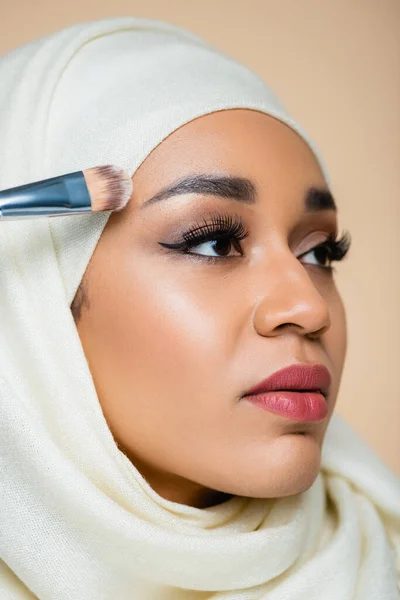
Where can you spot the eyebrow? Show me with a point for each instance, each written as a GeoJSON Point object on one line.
{"type": "Point", "coordinates": [237, 189]}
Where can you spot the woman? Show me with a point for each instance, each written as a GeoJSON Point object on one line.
{"type": "Point", "coordinates": [136, 462]}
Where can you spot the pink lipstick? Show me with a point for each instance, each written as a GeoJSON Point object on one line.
{"type": "Point", "coordinates": [297, 392]}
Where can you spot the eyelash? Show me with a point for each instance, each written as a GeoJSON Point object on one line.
{"type": "Point", "coordinates": [228, 228]}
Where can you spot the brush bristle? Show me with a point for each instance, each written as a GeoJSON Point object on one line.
{"type": "Point", "coordinates": [109, 187]}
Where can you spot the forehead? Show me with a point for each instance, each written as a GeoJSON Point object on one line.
{"type": "Point", "coordinates": [236, 142]}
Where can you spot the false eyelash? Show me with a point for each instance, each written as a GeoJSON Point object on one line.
{"type": "Point", "coordinates": [225, 226]}
{"type": "Point", "coordinates": [335, 248]}
{"type": "Point", "coordinates": [219, 226]}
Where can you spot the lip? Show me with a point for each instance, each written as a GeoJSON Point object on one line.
{"type": "Point", "coordinates": [297, 392]}
{"type": "Point", "coordinates": [297, 406]}
{"type": "Point", "coordinates": [301, 377]}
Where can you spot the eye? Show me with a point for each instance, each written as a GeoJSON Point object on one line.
{"type": "Point", "coordinates": [317, 256]}
{"type": "Point", "coordinates": [221, 245]}
{"type": "Point", "coordinates": [329, 251]}
{"type": "Point", "coordinates": [218, 238]}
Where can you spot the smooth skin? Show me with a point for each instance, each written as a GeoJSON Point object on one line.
{"type": "Point", "coordinates": [174, 340]}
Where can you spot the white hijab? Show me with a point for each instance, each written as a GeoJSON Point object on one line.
{"type": "Point", "coordinates": [77, 520]}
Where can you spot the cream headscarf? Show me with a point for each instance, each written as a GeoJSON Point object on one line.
{"type": "Point", "coordinates": [77, 520]}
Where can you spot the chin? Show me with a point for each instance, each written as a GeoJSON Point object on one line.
{"type": "Point", "coordinates": [289, 467]}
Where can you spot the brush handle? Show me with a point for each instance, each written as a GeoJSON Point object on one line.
{"type": "Point", "coordinates": [63, 195]}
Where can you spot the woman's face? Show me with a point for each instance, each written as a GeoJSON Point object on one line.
{"type": "Point", "coordinates": [175, 337]}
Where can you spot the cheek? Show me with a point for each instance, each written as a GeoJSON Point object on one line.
{"type": "Point", "coordinates": [158, 344]}
{"type": "Point", "coordinates": [335, 339]}
{"type": "Point", "coordinates": [338, 332]}
{"type": "Point", "coordinates": [153, 335]}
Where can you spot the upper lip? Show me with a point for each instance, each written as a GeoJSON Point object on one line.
{"type": "Point", "coordinates": [309, 377]}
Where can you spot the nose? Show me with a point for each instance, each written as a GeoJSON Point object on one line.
{"type": "Point", "coordinates": [290, 301]}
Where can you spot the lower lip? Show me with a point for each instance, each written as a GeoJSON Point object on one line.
{"type": "Point", "coordinates": [298, 406]}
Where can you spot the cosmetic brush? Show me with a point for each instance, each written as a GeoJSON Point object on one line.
{"type": "Point", "coordinates": [98, 189]}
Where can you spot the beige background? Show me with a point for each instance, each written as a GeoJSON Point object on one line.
{"type": "Point", "coordinates": [336, 65]}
